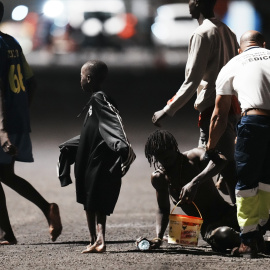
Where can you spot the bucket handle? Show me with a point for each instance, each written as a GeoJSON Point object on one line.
{"type": "Point", "coordinates": [194, 205]}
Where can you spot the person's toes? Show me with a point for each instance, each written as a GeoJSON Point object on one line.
{"type": "Point", "coordinates": [6, 242]}
{"type": "Point", "coordinates": [90, 249]}
{"type": "Point", "coordinates": [55, 225]}
{"type": "Point", "coordinates": [94, 249]}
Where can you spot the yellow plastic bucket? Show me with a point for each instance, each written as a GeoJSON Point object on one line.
{"type": "Point", "coordinates": [184, 230]}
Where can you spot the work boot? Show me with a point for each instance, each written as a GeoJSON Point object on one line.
{"type": "Point", "coordinates": [249, 250]}
{"type": "Point", "coordinates": [261, 244]}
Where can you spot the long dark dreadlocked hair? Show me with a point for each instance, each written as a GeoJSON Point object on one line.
{"type": "Point", "coordinates": [159, 140]}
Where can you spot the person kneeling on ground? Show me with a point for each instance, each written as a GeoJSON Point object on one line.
{"type": "Point", "coordinates": [188, 176]}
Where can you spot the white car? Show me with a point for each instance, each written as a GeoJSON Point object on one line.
{"type": "Point", "coordinates": [173, 26]}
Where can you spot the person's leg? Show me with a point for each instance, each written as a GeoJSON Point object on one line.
{"type": "Point", "coordinates": [251, 150]}
{"type": "Point", "coordinates": [9, 237]}
{"type": "Point", "coordinates": [91, 221]}
{"type": "Point", "coordinates": [226, 146]}
{"type": "Point", "coordinates": [101, 229]}
{"type": "Point", "coordinates": [226, 179]}
{"type": "Point", "coordinates": [264, 187]}
{"type": "Point", "coordinates": [96, 222]}
{"type": "Point", "coordinates": [25, 189]}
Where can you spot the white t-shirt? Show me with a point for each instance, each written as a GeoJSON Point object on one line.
{"type": "Point", "coordinates": [247, 76]}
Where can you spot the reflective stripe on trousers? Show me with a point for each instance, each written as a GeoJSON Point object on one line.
{"type": "Point", "coordinates": [253, 207]}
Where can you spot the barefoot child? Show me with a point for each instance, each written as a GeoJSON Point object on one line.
{"type": "Point", "coordinates": [103, 157]}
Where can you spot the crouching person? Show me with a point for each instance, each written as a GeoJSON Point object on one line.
{"type": "Point", "coordinates": [188, 176]}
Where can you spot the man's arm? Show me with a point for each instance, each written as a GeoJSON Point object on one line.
{"type": "Point", "coordinates": [213, 167]}
{"type": "Point", "coordinates": [195, 69]}
{"type": "Point", "coordinates": [219, 120]}
{"type": "Point", "coordinates": [163, 211]}
{"type": "Point", "coordinates": [216, 163]}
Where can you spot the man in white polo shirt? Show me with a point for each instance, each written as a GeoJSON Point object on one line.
{"type": "Point", "coordinates": [211, 46]}
{"type": "Point", "coordinates": [248, 76]}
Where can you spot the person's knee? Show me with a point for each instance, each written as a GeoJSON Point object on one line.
{"type": "Point", "coordinates": [223, 238]}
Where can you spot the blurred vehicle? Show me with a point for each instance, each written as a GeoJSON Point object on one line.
{"type": "Point", "coordinates": [92, 22]}
{"type": "Point", "coordinates": [95, 16]}
{"type": "Point", "coordinates": [173, 26]}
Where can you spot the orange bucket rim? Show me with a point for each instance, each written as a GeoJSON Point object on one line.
{"type": "Point", "coordinates": [185, 216]}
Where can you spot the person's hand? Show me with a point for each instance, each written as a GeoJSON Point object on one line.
{"type": "Point", "coordinates": [155, 243]}
{"type": "Point", "coordinates": [211, 154]}
{"type": "Point", "coordinates": [157, 117]}
{"type": "Point", "coordinates": [9, 148]}
{"type": "Point", "coordinates": [188, 193]}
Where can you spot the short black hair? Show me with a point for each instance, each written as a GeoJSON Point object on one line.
{"type": "Point", "coordinates": [97, 69]}
{"type": "Point", "coordinates": [158, 141]}
{"type": "Point", "coordinates": [1, 10]}
{"type": "Point", "coordinates": [207, 7]}
{"type": "Point", "coordinates": [209, 4]}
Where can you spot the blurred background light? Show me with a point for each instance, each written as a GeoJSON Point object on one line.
{"type": "Point", "coordinates": [60, 22]}
{"type": "Point", "coordinates": [160, 28]}
{"type": "Point", "coordinates": [160, 31]}
{"type": "Point", "coordinates": [250, 18]}
{"type": "Point", "coordinates": [19, 13]}
{"type": "Point", "coordinates": [53, 8]}
{"type": "Point", "coordinates": [92, 27]}
{"type": "Point", "coordinates": [114, 25]}
{"type": "Point", "coordinates": [173, 26]}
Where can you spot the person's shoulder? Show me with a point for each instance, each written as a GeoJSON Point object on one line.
{"type": "Point", "coordinates": [106, 99]}
{"type": "Point", "coordinates": [98, 94]}
{"type": "Point", "coordinates": [7, 36]}
{"type": "Point", "coordinates": [234, 62]}
{"type": "Point", "coordinates": [10, 41]}
{"type": "Point", "coordinates": [221, 27]}
{"type": "Point", "coordinates": [101, 95]}
{"type": "Point", "coordinates": [158, 180]}
{"type": "Point", "coordinates": [212, 26]}
{"type": "Point", "coordinates": [206, 27]}
{"type": "Point", "coordinates": [157, 174]}
{"type": "Point", "coordinates": [194, 155]}
{"type": "Point", "coordinates": [205, 31]}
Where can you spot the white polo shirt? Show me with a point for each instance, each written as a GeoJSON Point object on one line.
{"type": "Point", "coordinates": [247, 76]}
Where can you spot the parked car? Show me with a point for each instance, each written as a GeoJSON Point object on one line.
{"type": "Point", "coordinates": [173, 26]}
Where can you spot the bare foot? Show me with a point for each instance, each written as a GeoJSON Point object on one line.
{"type": "Point", "coordinates": [54, 220]}
{"type": "Point", "coordinates": [94, 249]}
{"type": "Point", "coordinates": [7, 242]}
